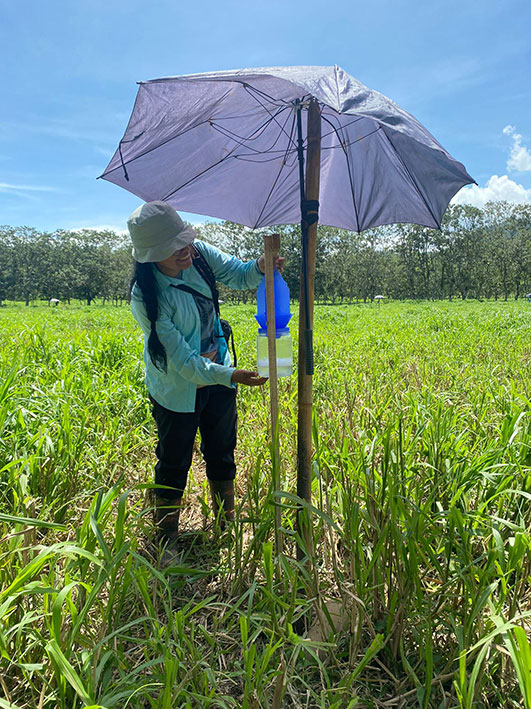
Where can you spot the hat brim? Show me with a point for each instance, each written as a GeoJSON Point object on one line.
{"type": "Point", "coordinates": [164, 250]}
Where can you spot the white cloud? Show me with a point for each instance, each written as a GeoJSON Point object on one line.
{"type": "Point", "coordinates": [500, 188]}
{"type": "Point", "coordinates": [496, 189]}
{"type": "Point", "coordinates": [9, 187]}
{"type": "Point", "coordinates": [520, 157]}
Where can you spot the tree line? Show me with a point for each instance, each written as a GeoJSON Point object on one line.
{"type": "Point", "coordinates": [478, 253]}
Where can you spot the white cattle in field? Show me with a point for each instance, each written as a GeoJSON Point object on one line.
{"type": "Point", "coordinates": [54, 302]}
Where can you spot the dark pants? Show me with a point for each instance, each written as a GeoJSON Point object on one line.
{"type": "Point", "coordinates": [215, 417]}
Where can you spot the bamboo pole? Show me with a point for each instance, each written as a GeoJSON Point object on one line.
{"type": "Point", "coordinates": [271, 249]}
{"type": "Point", "coordinates": [305, 393]}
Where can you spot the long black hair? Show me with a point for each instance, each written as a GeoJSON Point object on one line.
{"type": "Point", "coordinates": [144, 277]}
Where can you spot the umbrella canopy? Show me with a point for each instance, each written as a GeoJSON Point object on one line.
{"type": "Point", "coordinates": [224, 144]}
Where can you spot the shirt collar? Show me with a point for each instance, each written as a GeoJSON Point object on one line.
{"type": "Point", "coordinates": [163, 280]}
{"type": "Point", "coordinates": [193, 279]}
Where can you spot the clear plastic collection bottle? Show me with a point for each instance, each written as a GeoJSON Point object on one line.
{"type": "Point", "coordinates": [284, 345]}
{"type": "Point", "coordinates": [284, 353]}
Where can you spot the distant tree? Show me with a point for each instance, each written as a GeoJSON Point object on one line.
{"type": "Point", "coordinates": [477, 253]}
{"type": "Point", "coordinates": [394, 278]}
{"type": "Point", "coordinates": [464, 227]}
{"type": "Point", "coordinates": [407, 250]}
{"type": "Point", "coordinates": [6, 262]}
{"type": "Point", "coordinates": [28, 252]}
{"type": "Point", "coordinates": [371, 262]}
{"type": "Point", "coordinates": [521, 218]}
{"type": "Point", "coordinates": [501, 243]}
{"type": "Point", "coordinates": [119, 274]}
{"type": "Point", "coordinates": [331, 268]}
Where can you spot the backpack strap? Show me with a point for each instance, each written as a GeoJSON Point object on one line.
{"type": "Point", "coordinates": [207, 274]}
{"type": "Point", "coordinates": [205, 271]}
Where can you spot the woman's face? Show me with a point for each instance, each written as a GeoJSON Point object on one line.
{"type": "Point", "coordinates": [179, 261]}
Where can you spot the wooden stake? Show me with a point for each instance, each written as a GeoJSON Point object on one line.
{"type": "Point", "coordinates": [305, 393]}
{"type": "Point", "coordinates": [271, 249]}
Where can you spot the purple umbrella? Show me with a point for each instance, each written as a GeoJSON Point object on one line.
{"type": "Point", "coordinates": [224, 144]}
{"type": "Point", "coordinates": [230, 145]}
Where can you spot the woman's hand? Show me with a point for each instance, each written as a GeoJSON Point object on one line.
{"type": "Point", "coordinates": [278, 263]}
{"type": "Point", "coordinates": [247, 377]}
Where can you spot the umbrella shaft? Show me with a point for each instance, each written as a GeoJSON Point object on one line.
{"type": "Point", "coordinates": [308, 334]}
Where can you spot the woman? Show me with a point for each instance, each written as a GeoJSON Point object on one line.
{"type": "Point", "coordinates": [189, 376]}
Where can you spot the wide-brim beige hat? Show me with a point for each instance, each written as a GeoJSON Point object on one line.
{"type": "Point", "coordinates": [157, 231]}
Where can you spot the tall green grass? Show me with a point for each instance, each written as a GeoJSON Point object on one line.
{"type": "Point", "coordinates": [421, 519]}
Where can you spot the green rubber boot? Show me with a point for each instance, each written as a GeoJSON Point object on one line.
{"type": "Point", "coordinates": [167, 513]}
{"type": "Point", "coordinates": [222, 492]}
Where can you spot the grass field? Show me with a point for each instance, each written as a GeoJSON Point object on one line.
{"type": "Point", "coordinates": [422, 488]}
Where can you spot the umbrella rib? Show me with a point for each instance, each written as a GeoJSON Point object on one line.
{"type": "Point", "coordinates": [228, 134]}
{"type": "Point", "coordinates": [229, 155]}
{"type": "Point", "coordinates": [257, 133]}
{"type": "Point", "coordinates": [413, 181]}
{"type": "Point", "coordinates": [270, 150]}
{"type": "Point", "coordinates": [155, 147]}
{"type": "Point", "coordinates": [243, 156]}
{"type": "Point", "coordinates": [242, 141]}
{"type": "Point", "coordinates": [410, 176]}
{"type": "Point", "coordinates": [350, 176]}
{"type": "Point", "coordinates": [268, 111]}
{"type": "Point", "coordinates": [282, 164]}
{"type": "Point", "coordinates": [233, 80]}
{"type": "Point", "coordinates": [178, 135]}
{"type": "Point", "coordinates": [199, 174]}
{"type": "Point", "coordinates": [249, 158]}
{"type": "Point", "coordinates": [336, 68]}
{"type": "Point", "coordinates": [347, 125]}
{"type": "Point", "coordinates": [250, 89]}
{"type": "Point", "coordinates": [354, 120]}
{"type": "Point", "coordinates": [272, 117]}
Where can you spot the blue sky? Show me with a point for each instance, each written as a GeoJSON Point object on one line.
{"type": "Point", "coordinates": [70, 67]}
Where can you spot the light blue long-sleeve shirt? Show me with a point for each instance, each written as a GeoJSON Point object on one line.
{"type": "Point", "coordinates": [179, 329]}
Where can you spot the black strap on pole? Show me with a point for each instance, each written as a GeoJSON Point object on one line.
{"type": "Point", "coordinates": [309, 215]}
